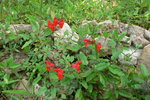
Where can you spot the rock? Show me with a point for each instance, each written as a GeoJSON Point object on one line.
{"type": "Point", "coordinates": [16, 28]}
{"type": "Point", "coordinates": [65, 35]}
{"type": "Point", "coordinates": [126, 40]}
{"type": "Point", "coordinates": [132, 54]}
{"type": "Point", "coordinates": [138, 35]}
{"type": "Point", "coordinates": [93, 22]}
{"type": "Point", "coordinates": [145, 57]}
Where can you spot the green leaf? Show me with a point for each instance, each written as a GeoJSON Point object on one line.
{"type": "Point", "coordinates": [125, 94]}
{"type": "Point", "coordinates": [86, 73]}
{"type": "Point", "coordinates": [147, 97]}
{"type": "Point", "coordinates": [74, 48]}
{"type": "Point", "coordinates": [115, 53]}
{"type": "Point", "coordinates": [90, 77]}
{"type": "Point", "coordinates": [102, 79]}
{"type": "Point", "coordinates": [47, 32]}
{"type": "Point", "coordinates": [83, 57]}
{"type": "Point", "coordinates": [116, 70]}
{"type": "Point", "coordinates": [63, 96]}
{"type": "Point", "coordinates": [123, 34]}
{"type": "Point", "coordinates": [53, 75]}
{"type": "Point", "coordinates": [84, 84]}
{"type": "Point", "coordinates": [101, 66]}
{"type": "Point", "coordinates": [144, 70]}
{"type": "Point", "coordinates": [35, 81]}
{"type": "Point", "coordinates": [108, 94]}
{"type": "Point", "coordinates": [112, 43]}
{"type": "Point", "coordinates": [79, 95]}
{"type": "Point", "coordinates": [106, 34]}
{"type": "Point", "coordinates": [27, 44]}
{"type": "Point", "coordinates": [41, 91]}
{"type": "Point", "coordinates": [53, 92]}
{"type": "Point", "coordinates": [90, 88]}
{"type": "Point", "coordinates": [21, 92]}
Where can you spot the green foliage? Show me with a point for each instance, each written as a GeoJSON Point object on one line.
{"type": "Point", "coordinates": [100, 76]}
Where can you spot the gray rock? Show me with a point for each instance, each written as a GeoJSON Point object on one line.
{"type": "Point", "coordinates": [93, 22]}
{"type": "Point", "coordinates": [66, 35]}
{"type": "Point", "coordinates": [16, 28]}
{"type": "Point", "coordinates": [130, 56]}
{"type": "Point", "coordinates": [145, 57]}
{"type": "Point", "coordinates": [138, 35]}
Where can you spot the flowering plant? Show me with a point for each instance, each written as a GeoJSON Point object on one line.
{"type": "Point", "coordinates": [53, 25]}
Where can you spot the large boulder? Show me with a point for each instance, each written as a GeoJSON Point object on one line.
{"type": "Point", "coordinates": [145, 57]}
{"type": "Point", "coordinates": [66, 35]}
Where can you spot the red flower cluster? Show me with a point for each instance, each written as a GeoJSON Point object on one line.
{"type": "Point", "coordinates": [49, 65]}
{"type": "Point", "coordinates": [87, 42]}
{"type": "Point", "coordinates": [77, 65]}
{"type": "Point", "coordinates": [58, 70]}
{"type": "Point", "coordinates": [98, 46]}
{"type": "Point", "coordinates": [53, 25]}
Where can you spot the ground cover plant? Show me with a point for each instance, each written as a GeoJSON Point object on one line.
{"type": "Point", "coordinates": [46, 69]}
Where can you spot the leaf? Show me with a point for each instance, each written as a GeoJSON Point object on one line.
{"type": "Point", "coordinates": [108, 94]}
{"type": "Point", "coordinates": [106, 34]}
{"type": "Point", "coordinates": [74, 48]}
{"type": "Point", "coordinates": [41, 91]}
{"type": "Point", "coordinates": [63, 96]}
{"type": "Point", "coordinates": [83, 57]}
{"type": "Point", "coordinates": [144, 70]}
{"type": "Point", "coordinates": [122, 36]}
{"type": "Point", "coordinates": [79, 95]}
{"type": "Point", "coordinates": [53, 75]}
{"type": "Point", "coordinates": [27, 44]}
{"type": "Point", "coordinates": [112, 43]}
{"type": "Point", "coordinates": [35, 25]}
{"type": "Point", "coordinates": [147, 97]}
{"type": "Point", "coordinates": [33, 22]}
{"type": "Point", "coordinates": [115, 53]}
{"type": "Point", "coordinates": [47, 32]}
{"type": "Point", "coordinates": [90, 88]}
{"type": "Point", "coordinates": [101, 66]}
{"type": "Point", "coordinates": [86, 73]}
{"type": "Point", "coordinates": [102, 79]}
{"type": "Point", "coordinates": [21, 92]}
{"type": "Point", "coordinates": [53, 92]}
{"type": "Point", "coordinates": [116, 70]}
{"type": "Point", "coordinates": [35, 81]}
{"type": "Point", "coordinates": [84, 84]}
{"type": "Point", "coordinates": [90, 77]}
{"type": "Point", "coordinates": [125, 94]}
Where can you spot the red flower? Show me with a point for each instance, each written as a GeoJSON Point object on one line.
{"type": "Point", "coordinates": [87, 42]}
{"type": "Point", "coordinates": [59, 73]}
{"type": "Point", "coordinates": [48, 66]}
{"type": "Point", "coordinates": [61, 23]}
{"type": "Point", "coordinates": [55, 21]}
{"type": "Point", "coordinates": [98, 47]}
{"type": "Point", "coordinates": [51, 25]}
{"type": "Point", "coordinates": [94, 41]}
{"type": "Point", "coordinates": [77, 65]}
